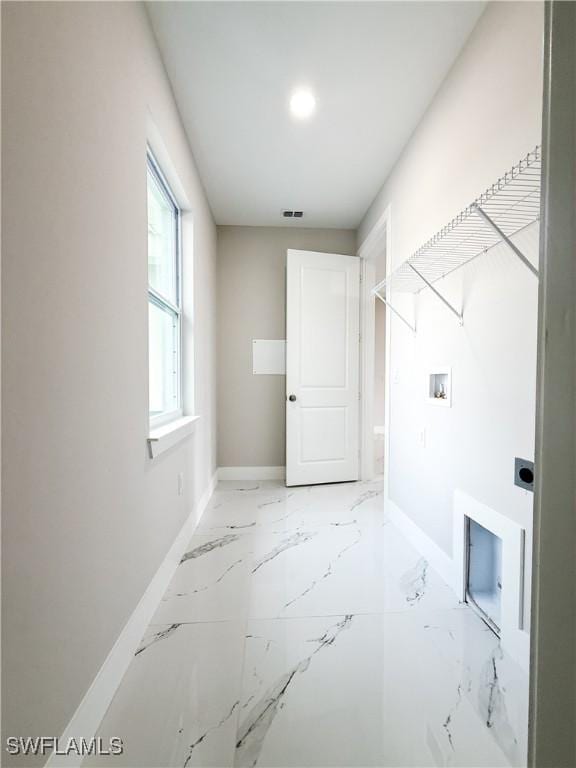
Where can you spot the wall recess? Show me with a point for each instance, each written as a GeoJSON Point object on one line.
{"type": "Point", "coordinates": [439, 386]}
{"type": "Point", "coordinates": [497, 585]}
{"type": "Point", "coordinates": [484, 572]}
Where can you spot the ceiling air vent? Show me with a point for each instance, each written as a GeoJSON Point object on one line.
{"type": "Point", "coordinates": [293, 214]}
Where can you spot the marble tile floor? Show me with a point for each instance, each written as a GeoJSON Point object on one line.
{"type": "Point", "coordinates": [301, 629]}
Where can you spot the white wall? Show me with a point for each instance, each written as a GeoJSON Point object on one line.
{"type": "Point", "coordinates": [486, 115]}
{"type": "Point", "coordinates": [87, 516]}
{"type": "Point", "coordinates": [252, 305]}
{"type": "Point", "coordinates": [470, 446]}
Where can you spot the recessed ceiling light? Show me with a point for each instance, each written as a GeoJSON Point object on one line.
{"type": "Point", "coordinates": [302, 104]}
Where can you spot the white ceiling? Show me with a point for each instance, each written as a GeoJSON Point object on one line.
{"type": "Point", "coordinates": [373, 66]}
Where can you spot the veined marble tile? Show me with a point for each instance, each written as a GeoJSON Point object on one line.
{"type": "Point", "coordinates": [339, 569]}
{"type": "Point", "coordinates": [485, 679]}
{"type": "Point", "coordinates": [239, 510]}
{"type": "Point", "coordinates": [243, 486]}
{"type": "Point", "coordinates": [311, 695]}
{"type": "Point", "coordinates": [361, 690]}
{"type": "Point", "coordinates": [178, 703]}
{"type": "Point", "coordinates": [212, 581]}
{"type": "Point", "coordinates": [336, 504]}
{"type": "Point", "coordinates": [277, 508]}
{"type": "Point", "coordinates": [229, 515]}
{"type": "Point", "coordinates": [356, 652]}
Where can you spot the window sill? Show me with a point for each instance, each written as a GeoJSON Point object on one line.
{"type": "Point", "coordinates": [162, 438]}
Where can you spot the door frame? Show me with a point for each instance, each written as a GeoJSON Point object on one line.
{"type": "Point", "coordinates": [552, 737]}
{"type": "Point", "coordinates": [379, 238]}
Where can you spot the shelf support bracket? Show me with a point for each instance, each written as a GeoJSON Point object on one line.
{"type": "Point", "coordinates": [442, 299]}
{"type": "Point", "coordinates": [495, 228]}
{"type": "Point", "coordinates": [394, 311]}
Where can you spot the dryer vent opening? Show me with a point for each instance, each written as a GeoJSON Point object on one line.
{"type": "Point", "coordinates": [484, 573]}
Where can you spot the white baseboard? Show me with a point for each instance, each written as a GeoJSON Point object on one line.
{"type": "Point", "coordinates": [92, 708]}
{"type": "Point", "coordinates": [251, 473]}
{"type": "Point", "coordinates": [435, 555]}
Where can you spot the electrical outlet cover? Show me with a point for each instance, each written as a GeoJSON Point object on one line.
{"type": "Point", "coordinates": [524, 474]}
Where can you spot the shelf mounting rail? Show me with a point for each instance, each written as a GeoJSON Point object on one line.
{"type": "Point", "coordinates": [506, 208]}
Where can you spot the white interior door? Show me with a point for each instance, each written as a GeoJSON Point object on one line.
{"type": "Point", "coordinates": [322, 368]}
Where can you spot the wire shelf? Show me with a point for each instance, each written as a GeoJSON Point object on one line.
{"type": "Point", "coordinates": [503, 210]}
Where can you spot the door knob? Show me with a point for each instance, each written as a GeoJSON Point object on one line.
{"type": "Point", "coordinates": [292, 398]}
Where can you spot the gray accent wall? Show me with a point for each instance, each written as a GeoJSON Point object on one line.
{"type": "Point", "coordinates": [252, 305]}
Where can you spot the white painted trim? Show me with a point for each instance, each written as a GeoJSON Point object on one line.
{"type": "Point", "coordinates": [371, 240]}
{"type": "Point", "coordinates": [251, 473]}
{"type": "Point", "coordinates": [435, 555]}
{"type": "Point", "coordinates": [367, 252]}
{"type": "Point", "coordinates": [92, 708]}
{"type": "Point", "coordinates": [168, 435]}
{"type": "Point", "coordinates": [388, 365]}
{"type": "Point", "coordinates": [551, 732]}
{"type": "Point", "coordinates": [162, 155]}
{"type": "Point", "coordinates": [514, 638]}
{"type": "Point", "coordinates": [367, 352]}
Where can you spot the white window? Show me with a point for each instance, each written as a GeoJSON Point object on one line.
{"type": "Point", "coordinates": [164, 302]}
